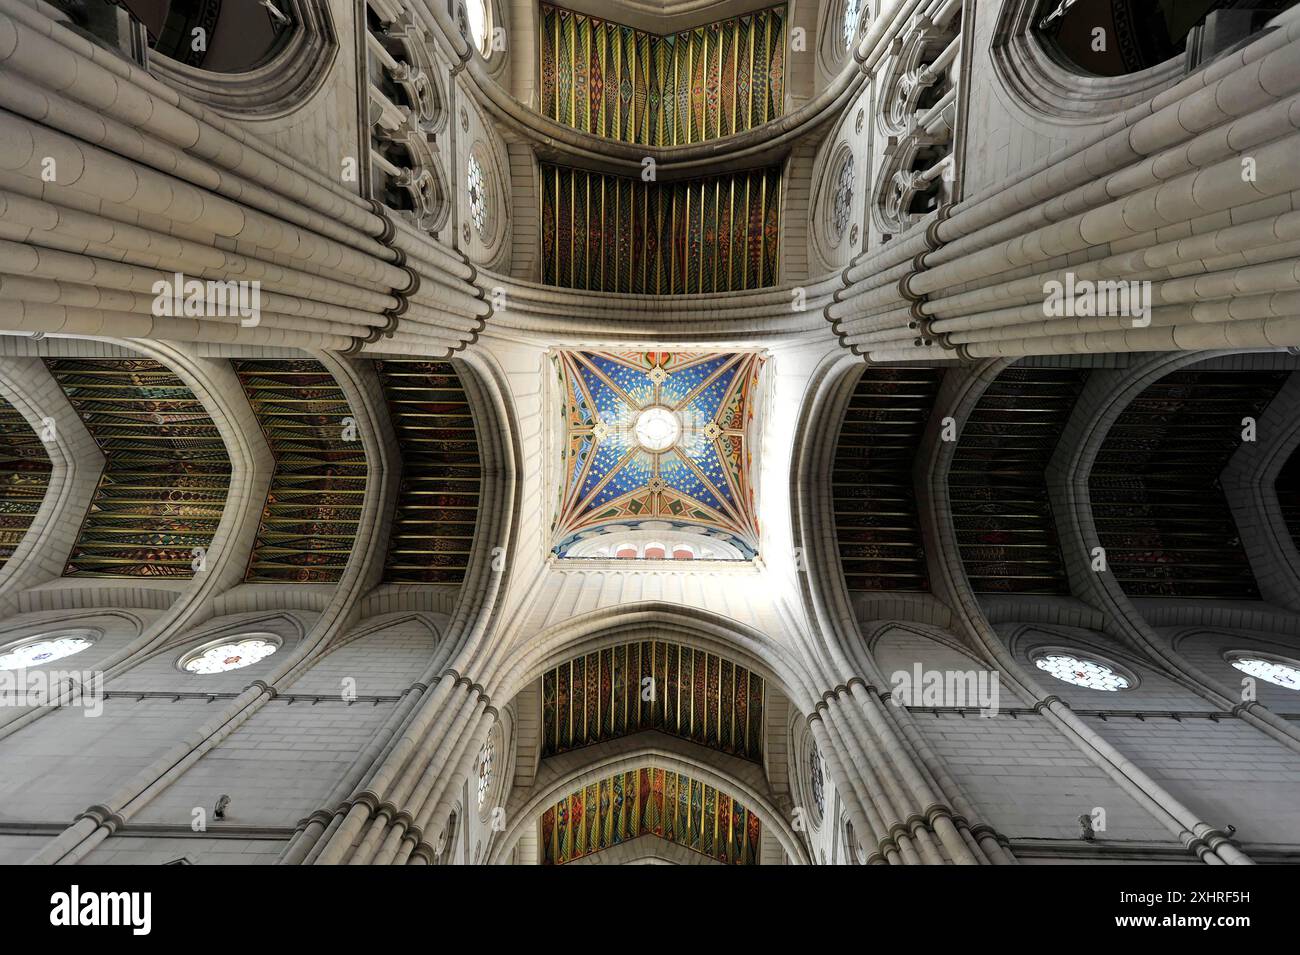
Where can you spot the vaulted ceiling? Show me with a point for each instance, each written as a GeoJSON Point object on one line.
{"type": "Point", "coordinates": [700, 478]}
{"type": "Point", "coordinates": [650, 801]}
{"type": "Point", "coordinates": [24, 478]}
{"type": "Point", "coordinates": [695, 695]}
{"type": "Point", "coordinates": [313, 511]}
{"type": "Point", "coordinates": [166, 471]}
{"type": "Point", "coordinates": [1159, 507]}
{"type": "Point", "coordinates": [997, 486]}
{"type": "Point", "coordinates": [618, 234]}
{"type": "Point", "coordinates": [621, 83]}
{"type": "Point", "coordinates": [438, 500]}
{"type": "Point", "coordinates": [876, 521]}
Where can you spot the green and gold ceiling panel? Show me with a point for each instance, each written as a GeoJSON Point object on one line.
{"type": "Point", "coordinates": [621, 83]}
{"type": "Point", "coordinates": [437, 505]}
{"type": "Point", "coordinates": [24, 478]}
{"type": "Point", "coordinates": [619, 234]}
{"type": "Point", "coordinates": [313, 512]}
{"type": "Point", "coordinates": [166, 471]}
{"type": "Point", "coordinates": [653, 685]}
{"type": "Point", "coordinates": [650, 802]}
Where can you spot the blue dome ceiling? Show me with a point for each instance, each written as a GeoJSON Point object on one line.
{"type": "Point", "coordinates": [702, 482]}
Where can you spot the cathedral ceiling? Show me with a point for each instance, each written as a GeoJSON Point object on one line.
{"type": "Point", "coordinates": [24, 478]}
{"type": "Point", "coordinates": [313, 511]}
{"type": "Point", "coordinates": [1160, 510]}
{"type": "Point", "coordinates": [665, 438]}
{"type": "Point", "coordinates": [698, 696]}
{"type": "Point", "coordinates": [618, 234]}
{"type": "Point", "coordinates": [997, 486]}
{"type": "Point", "coordinates": [650, 801]}
{"type": "Point", "coordinates": [876, 520]}
{"type": "Point", "coordinates": [165, 469]}
{"type": "Point", "coordinates": [620, 83]}
{"type": "Point", "coordinates": [439, 495]}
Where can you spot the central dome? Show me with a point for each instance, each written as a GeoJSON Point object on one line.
{"type": "Point", "coordinates": [657, 429]}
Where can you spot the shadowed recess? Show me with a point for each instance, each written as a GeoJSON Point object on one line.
{"type": "Point", "coordinates": [313, 511]}
{"type": "Point", "coordinates": [876, 521]}
{"type": "Point", "coordinates": [622, 83]}
{"type": "Point", "coordinates": [166, 472]}
{"type": "Point", "coordinates": [1157, 502]}
{"type": "Point", "coordinates": [438, 501]}
{"type": "Point", "coordinates": [24, 478]}
{"type": "Point", "coordinates": [997, 486]}
{"type": "Point", "coordinates": [1287, 488]}
{"type": "Point", "coordinates": [617, 234]}
{"type": "Point", "coordinates": [695, 695]}
{"type": "Point", "coordinates": [650, 801]}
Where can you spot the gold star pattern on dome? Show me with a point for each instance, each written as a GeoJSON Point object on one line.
{"type": "Point", "coordinates": [659, 436]}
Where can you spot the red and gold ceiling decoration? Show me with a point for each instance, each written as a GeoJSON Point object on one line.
{"type": "Point", "coordinates": [650, 802]}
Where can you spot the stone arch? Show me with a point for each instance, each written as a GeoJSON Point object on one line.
{"type": "Point", "coordinates": [601, 760]}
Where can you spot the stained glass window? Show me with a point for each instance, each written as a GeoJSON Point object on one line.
{"type": "Point", "coordinates": [1270, 671]}
{"type": "Point", "coordinates": [476, 13]}
{"type": "Point", "coordinates": [816, 779]}
{"type": "Point", "coordinates": [40, 652]}
{"type": "Point", "coordinates": [843, 209]}
{"type": "Point", "coordinates": [1085, 673]}
{"type": "Point", "coordinates": [485, 771]}
{"type": "Point", "coordinates": [478, 199]}
{"type": "Point", "coordinates": [230, 656]}
{"type": "Point", "coordinates": [852, 12]}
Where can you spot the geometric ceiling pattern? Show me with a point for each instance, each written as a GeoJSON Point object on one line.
{"type": "Point", "coordinates": [650, 802]}
{"type": "Point", "coordinates": [621, 83]}
{"type": "Point", "coordinates": [313, 511]}
{"type": "Point", "coordinates": [438, 499]}
{"type": "Point", "coordinates": [166, 472]}
{"type": "Point", "coordinates": [658, 438]}
{"type": "Point", "coordinates": [621, 234]}
{"type": "Point", "coordinates": [24, 477]}
{"type": "Point", "coordinates": [877, 524]}
{"type": "Point", "coordinates": [997, 487]}
{"type": "Point", "coordinates": [696, 696]}
{"type": "Point", "coordinates": [1157, 502]}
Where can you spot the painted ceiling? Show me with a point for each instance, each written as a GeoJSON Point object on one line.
{"type": "Point", "coordinates": [650, 801]}
{"type": "Point", "coordinates": [703, 697]}
{"type": "Point", "coordinates": [614, 476]}
{"type": "Point", "coordinates": [24, 477]}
